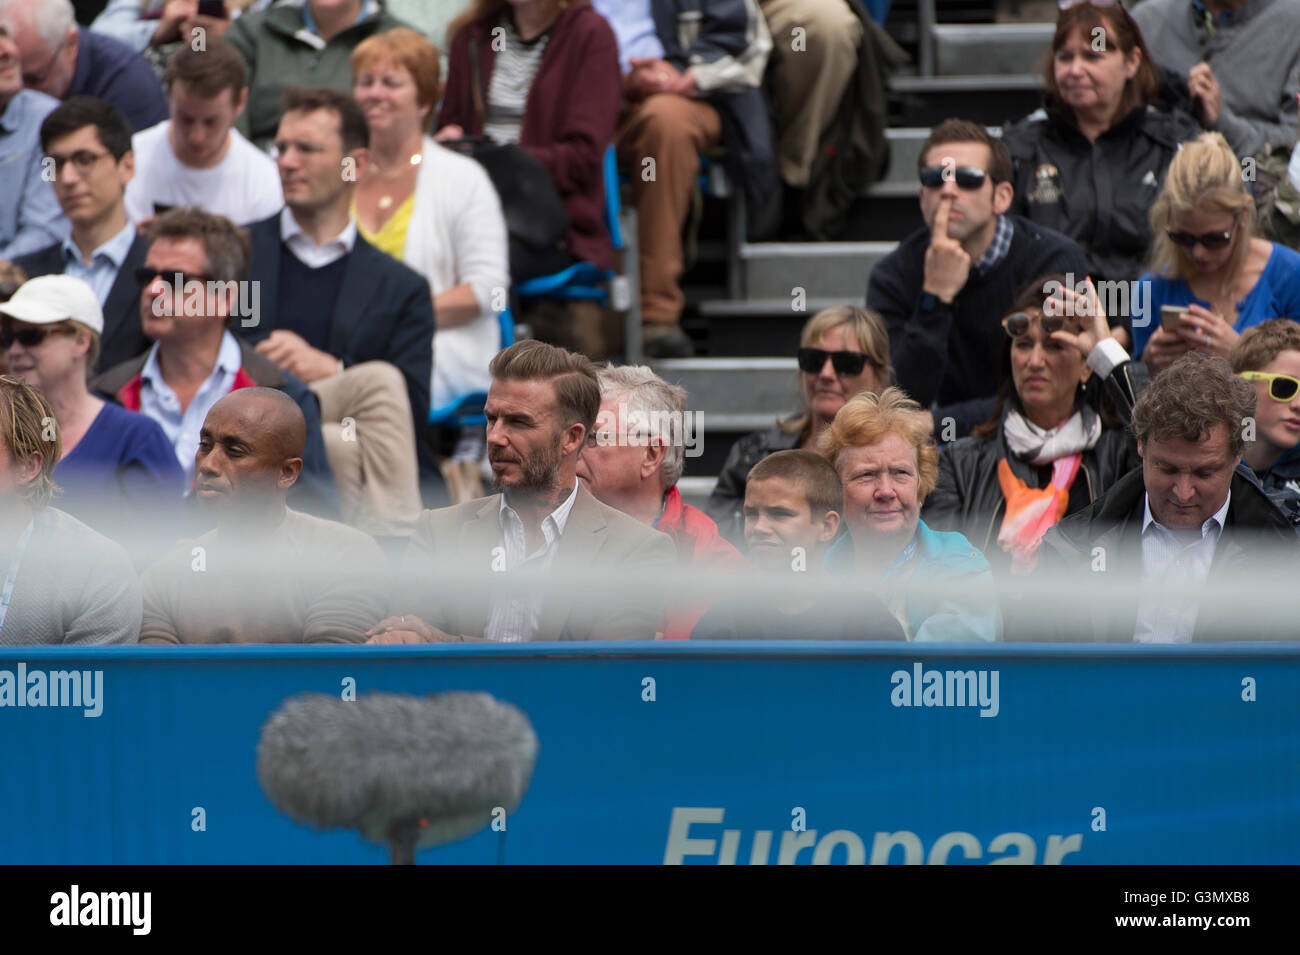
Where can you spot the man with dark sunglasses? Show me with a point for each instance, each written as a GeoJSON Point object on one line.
{"type": "Point", "coordinates": [1268, 356]}
{"type": "Point", "coordinates": [944, 289]}
{"type": "Point", "coordinates": [87, 145]}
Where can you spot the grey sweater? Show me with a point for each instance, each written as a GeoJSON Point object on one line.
{"type": "Point", "coordinates": [1255, 57]}
{"type": "Point", "coordinates": [73, 586]}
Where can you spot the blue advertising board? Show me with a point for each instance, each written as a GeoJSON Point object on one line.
{"type": "Point", "coordinates": [695, 753]}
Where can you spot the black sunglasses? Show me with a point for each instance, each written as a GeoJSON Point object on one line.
{"type": "Point", "coordinates": [1017, 323]}
{"type": "Point", "coordinates": [849, 363]}
{"type": "Point", "coordinates": [967, 177]}
{"type": "Point", "coordinates": [1211, 240]}
{"type": "Point", "coordinates": [30, 337]}
{"type": "Point", "coordinates": [145, 276]}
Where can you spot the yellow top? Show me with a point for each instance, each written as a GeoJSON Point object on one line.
{"type": "Point", "coordinates": [391, 237]}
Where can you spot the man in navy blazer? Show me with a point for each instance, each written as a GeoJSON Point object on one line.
{"type": "Point", "coordinates": [348, 319]}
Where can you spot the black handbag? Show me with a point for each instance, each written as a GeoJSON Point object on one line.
{"type": "Point", "coordinates": [533, 209]}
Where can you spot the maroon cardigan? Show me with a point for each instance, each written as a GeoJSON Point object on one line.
{"type": "Point", "coordinates": [569, 119]}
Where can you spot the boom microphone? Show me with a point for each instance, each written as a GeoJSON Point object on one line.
{"type": "Point", "coordinates": [410, 772]}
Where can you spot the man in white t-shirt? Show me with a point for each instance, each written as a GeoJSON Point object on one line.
{"type": "Point", "coordinates": [197, 158]}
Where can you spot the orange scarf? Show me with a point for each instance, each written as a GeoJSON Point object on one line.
{"type": "Point", "coordinates": [1031, 511]}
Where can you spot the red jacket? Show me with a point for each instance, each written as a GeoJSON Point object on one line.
{"type": "Point", "coordinates": [569, 119]}
{"type": "Point", "coordinates": [699, 544]}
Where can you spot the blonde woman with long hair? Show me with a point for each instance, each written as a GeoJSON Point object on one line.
{"type": "Point", "coordinates": [1207, 258]}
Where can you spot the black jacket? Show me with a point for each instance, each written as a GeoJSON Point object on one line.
{"type": "Point", "coordinates": [946, 357]}
{"type": "Point", "coordinates": [384, 311]}
{"type": "Point", "coordinates": [1099, 194]}
{"type": "Point", "coordinates": [123, 338]}
{"type": "Point", "coordinates": [1101, 548]}
{"type": "Point", "coordinates": [968, 497]}
{"type": "Point", "coordinates": [727, 502]}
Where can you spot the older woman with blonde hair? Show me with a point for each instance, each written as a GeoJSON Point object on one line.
{"type": "Point", "coordinates": [1207, 259]}
{"type": "Point", "coordinates": [936, 584]}
{"type": "Point", "coordinates": [843, 351]}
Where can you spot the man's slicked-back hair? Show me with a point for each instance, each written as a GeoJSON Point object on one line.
{"type": "Point", "coordinates": [577, 386]}
{"type": "Point", "coordinates": [78, 112]}
{"type": "Point", "coordinates": [964, 131]}
{"type": "Point", "coordinates": [352, 121]}
{"type": "Point", "coordinates": [208, 72]}
{"type": "Point", "coordinates": [27, 427]}
{"type": "Point", "coordinates": [1260, 344]}
{"type": "Point", "coordinates": [808, 471]}
{"type": "Point", "coordinates": [1190, 398]}
{"type": "Point", "coordinates": [227, 247]}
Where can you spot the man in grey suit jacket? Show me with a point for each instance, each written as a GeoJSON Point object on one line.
{"type": "Point", "coordinates": [542, 559]}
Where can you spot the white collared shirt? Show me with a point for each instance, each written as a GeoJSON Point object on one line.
{"type": "Point", "coordinates": [517, 607]}
{"type": "Point", "coordinates": [159, 401]}
{"type": "Point", "coordinates": [1175, 566]}
{"type": "Point", "coordinates": [308, 252]}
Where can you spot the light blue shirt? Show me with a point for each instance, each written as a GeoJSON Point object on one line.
{"type": "Point", "coordinates": [158, 401]}
{"type": "Point", "coordinates": [367, 8]}
{"type": "Point", "coordinates": [1175, 567]}
{"type": "Point", "coordinates": [105, 262]}
{"type": "Point", "coordinates": [30, 217]}
{"type": "Point", "coordinates": [634, 28]}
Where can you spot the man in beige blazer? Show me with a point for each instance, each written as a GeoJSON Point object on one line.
{"type": "Point", "coordinates": [542, 559]}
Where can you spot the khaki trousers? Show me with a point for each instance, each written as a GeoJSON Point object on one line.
{"type": "Point", "coordinates": [370, 441]}
{"type": "Point", "coordinates": [672, 131]}
{"type": "Point", "coordinates": [815, 43]}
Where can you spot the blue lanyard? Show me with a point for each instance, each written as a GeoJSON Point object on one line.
{"type": "Point", "coordinates": [13, 572]}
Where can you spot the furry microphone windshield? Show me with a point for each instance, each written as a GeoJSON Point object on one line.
{"type": "Point", "coordinates": [409, 772]}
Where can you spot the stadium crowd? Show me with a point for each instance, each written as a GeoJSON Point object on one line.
{"type": "Point", "coordinates": [256, 257]}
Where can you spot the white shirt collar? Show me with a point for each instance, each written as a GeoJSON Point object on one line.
{"type": "Point", "coordinates": [1213, 525]}
{"type": "Point", "coordinates": [558, 517]}
{"type": "Point", "coordinates": [302, 245]}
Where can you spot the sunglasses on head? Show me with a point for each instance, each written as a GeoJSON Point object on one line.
{"type": "Point", "coordinates": [849, 363]}
{"type": "Point", "coordinates": [1280, 387]}
{"type": "Point", "coordinates": [966, 177]}
{"type": "Point", "coordinates": [1017, 323]}
{"type": "Point", "coordinates": [30, 337]}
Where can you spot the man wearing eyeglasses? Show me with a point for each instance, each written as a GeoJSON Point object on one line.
{"type": "Point", "coordinates": [64, 60]}
{"type": "Point", "coordinates": [87, 146]}
{"type": "Point", "coordinates": [29, 213]}
{"type": "Point", "coordinates": [944, 289]}
{"type": "Point", "coordinates": [1241, 59]}
{"type": "Point", "coordinates": [1268, 355]}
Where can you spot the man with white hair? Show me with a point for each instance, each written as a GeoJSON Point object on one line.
{"type": "Point", "coordinates": [62, 59]}
{"type": "Point", "coordinates": [632, 462]}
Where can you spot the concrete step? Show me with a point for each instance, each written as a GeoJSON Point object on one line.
{"type": "Point", "coordinates": [735, 394]}
{"type": "Point", "coordinates": [963, 49]}
{"type": "Point", "coordinates": [822, 270]}
{"type": "Point", "coordinates": [991, 99]}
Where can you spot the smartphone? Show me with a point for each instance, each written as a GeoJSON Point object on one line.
{"type": "Point", "coordinates": [213, 8]}
{"type": "Point", "coordinates": [1169, 317]}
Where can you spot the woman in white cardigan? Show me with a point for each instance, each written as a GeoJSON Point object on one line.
{"type": "Point", "coordinates": [434, 209]}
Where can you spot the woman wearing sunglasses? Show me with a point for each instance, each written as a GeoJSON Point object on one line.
{"type": "Point", "coordinates": [1089, 163]}
{"type": "Point", "coordinates": [1207, 259]}
{"type": "Point", "coordinates": [1045, 452]}
{"type": "Point", "coordinates": [1269, 355]}
{"type": "Point", "coordinates": [843, 351]}
{"type": "Point", "coordinates": [118, 472]}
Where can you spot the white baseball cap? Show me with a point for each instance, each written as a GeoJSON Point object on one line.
{"type": "Point", "coordinates": [55, 298]}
